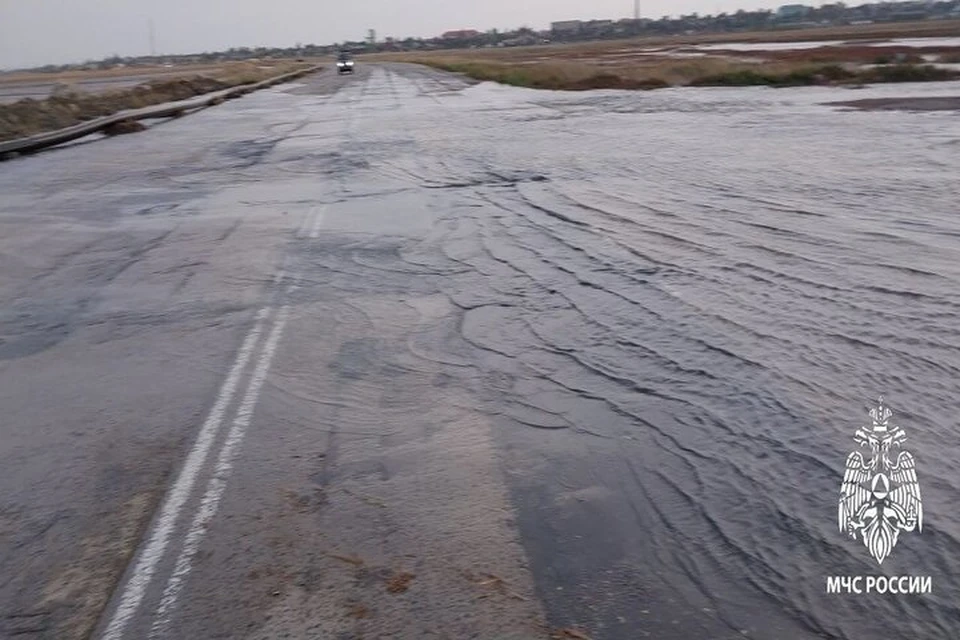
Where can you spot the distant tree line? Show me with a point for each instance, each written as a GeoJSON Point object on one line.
{"type": "Point", "coordinates": [787, 16]}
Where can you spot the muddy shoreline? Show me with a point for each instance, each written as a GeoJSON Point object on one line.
{"type": "Point", "coordinates": [933, 103]}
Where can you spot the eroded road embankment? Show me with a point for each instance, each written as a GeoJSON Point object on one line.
{"type": "Point", "coordinates": [390, 356]}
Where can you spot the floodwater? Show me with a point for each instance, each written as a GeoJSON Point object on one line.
{"type": "Point", "coordinates": [706, 290]}
{"type": "Point", "coordinates": [816, 44]}
{"type": "Point", "coordinates": [673, 310]}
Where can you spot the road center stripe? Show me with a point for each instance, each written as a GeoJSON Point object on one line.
{"type": "Point", "coordinates": [218, 482]}
{"type": "Point", "coordinates": [177, 496]}
{"type": "Point", "coordinates": [318, 222]}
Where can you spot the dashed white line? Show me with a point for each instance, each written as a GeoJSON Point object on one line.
{"type": "Point", "coordinates": [302, 229]}
{"type": "Point", "coordinates": [318, 222]}
{"type": "Point", "coordinates": [146, 565]}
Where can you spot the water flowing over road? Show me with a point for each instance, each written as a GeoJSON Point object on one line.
{"type": "Point", "coordinates": [394, 355]}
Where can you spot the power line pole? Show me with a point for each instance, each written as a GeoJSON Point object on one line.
{"type": "Point", "coordinates": [636, 9]}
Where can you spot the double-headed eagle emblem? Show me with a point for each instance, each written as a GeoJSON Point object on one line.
{"type": "Point", "coordinates": [880, 495]}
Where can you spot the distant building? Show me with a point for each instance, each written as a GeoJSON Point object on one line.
{"type": "Point", "coordinates": [566, 26]}
{"type": "Point", "coordinates": [461, 34]}
{"type": "Point", "coordinates": [792, 11]}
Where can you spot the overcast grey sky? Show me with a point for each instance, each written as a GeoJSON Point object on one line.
{"type": "Point", "coordinates": [37, 32]}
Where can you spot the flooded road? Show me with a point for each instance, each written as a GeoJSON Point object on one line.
{"type": "Point", "coordinates": [394, 356]}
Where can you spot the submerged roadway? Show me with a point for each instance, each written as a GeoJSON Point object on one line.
{"type": "Point", "coordinates": [398, 356]}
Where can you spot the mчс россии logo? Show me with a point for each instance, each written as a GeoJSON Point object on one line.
{"type": "Point", "coordinates": [880, 494]}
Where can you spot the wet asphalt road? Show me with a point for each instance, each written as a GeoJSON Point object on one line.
{"type": "Point", "coordinates": [394, 356]}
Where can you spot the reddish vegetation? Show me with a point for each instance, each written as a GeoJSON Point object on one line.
{"type": "Point", "coordinates": [614, 81]}
{"type": "Point", "coordinates": [399, 582]}
{"type": "Point", "coordinates": [358, 611]}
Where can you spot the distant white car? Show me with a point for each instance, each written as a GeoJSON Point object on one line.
{"type": "Point", "coordinates": [344, 64]}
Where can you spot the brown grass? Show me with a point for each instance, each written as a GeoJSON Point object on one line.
{"type": "Point", "coordinates": [571, 76]}
{"type": "Point", "coordinates": [666, 72]}
{"type": "Point", "coordinates": [68, 105]}
{"type": "Point", "coordinates": [152, 71]}
{"type": "Point", "coordinates": [650, 63]}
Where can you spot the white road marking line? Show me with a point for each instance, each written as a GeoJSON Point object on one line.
{"type": "Point", "coordinates": [146, 566]}
{"type": "Point", "coordinates": [278, 279]}
{"type": "Point", "coordinates": [318, 222]}
{"type": "Point", "coordinates": [305, 224]}
{"type": "Point", "coordinates": [218, 482]}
